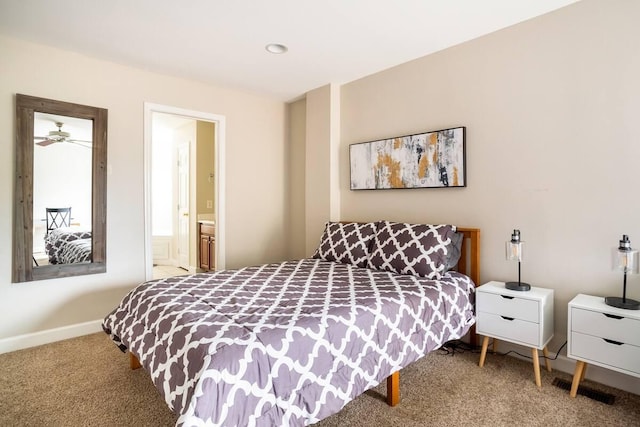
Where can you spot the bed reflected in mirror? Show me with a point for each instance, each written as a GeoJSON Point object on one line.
{"type": "Point", "coordinates": [62, 154]}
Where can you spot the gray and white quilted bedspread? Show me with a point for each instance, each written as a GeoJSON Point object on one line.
{"type": "Point", "coordinates": [61, 249]}
{"type": "Point", "coordinates": [75, 251]}
{"type": "Point", "coordinates": [283, 344]}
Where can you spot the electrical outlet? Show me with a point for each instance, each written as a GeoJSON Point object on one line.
{"type": "Point", "coordinates": [209, 204]}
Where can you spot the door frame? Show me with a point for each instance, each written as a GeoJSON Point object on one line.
{"type": "Point", "coordinates": [219, 177]}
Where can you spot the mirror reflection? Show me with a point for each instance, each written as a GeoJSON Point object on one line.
{"type": "Point", "coordinates": [62, 185]}
{"type": "Point", "coordinates": [60, 197]}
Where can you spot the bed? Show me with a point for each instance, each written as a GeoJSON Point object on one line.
{"type": "Point", "coordinates": [68, 245]}
{"type": "Point", "coordinates": [291, 343]}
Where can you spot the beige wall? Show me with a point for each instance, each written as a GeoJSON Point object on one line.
{"type": "Point", "coordinates": [322, 188]}
{"type": "Point", "coordinates": [296, 124]}
{"type": "Point", "coordinates": [204, 187]}
{"type": "Point", "coordinates": [256, 192]}
{"type": "Point", "coordinates": [204, 166]}
{"type": "Point", "coordinates": [551, 108]}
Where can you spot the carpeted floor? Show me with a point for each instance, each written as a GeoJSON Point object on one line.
{"type": "Point", "coordinates": [86, 381]}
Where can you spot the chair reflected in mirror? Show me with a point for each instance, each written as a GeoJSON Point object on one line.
{"type": "Point", "coordinates": [57, 218]}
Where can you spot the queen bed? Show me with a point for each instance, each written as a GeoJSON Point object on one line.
{"type": "Point", "coordinates": [291, 343]}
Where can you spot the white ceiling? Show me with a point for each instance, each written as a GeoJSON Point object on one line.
{"type": "Point", "coordinates": [223, 42]}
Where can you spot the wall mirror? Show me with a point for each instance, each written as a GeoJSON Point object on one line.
{"type": "Point", "coordinates": [60, 189]}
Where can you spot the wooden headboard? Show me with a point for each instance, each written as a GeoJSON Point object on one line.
{"type": "Point", "coordinates": [469, 264]}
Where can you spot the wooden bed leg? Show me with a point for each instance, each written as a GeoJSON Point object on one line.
{"type": "Point", "coordinates": [393, 389]}
{"type": "Point", "coordinates": [473, 337]}
{"type": "Point", "coordinates": [134, 363]}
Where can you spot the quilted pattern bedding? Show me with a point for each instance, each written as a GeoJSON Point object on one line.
{"type": "Point", "coordinates": [61, 249]}
{"type": "Point", "coordinates": [75, 251]}
{"type": "Point", "coordinates": [283, 344]}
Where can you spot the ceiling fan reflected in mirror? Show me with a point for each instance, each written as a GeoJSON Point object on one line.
{"type": "Point", "coordinates": [58, 136]}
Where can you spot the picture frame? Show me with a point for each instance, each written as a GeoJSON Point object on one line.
{"type": "Point", "coordinates": [435, 159]}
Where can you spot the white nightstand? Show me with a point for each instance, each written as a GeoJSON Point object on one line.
{"type": "Point", "coordinates": [520, 317]}
{"type": "Point", "coordinates": [602, 335]}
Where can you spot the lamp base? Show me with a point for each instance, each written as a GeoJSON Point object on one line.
{"type": "Point", "coordinates": [518, 286]}
{"type": "Point", "coordinates": [627, 304]}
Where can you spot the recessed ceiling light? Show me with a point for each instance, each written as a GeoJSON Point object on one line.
{"type": "Point", "coordinates": [276, 48]}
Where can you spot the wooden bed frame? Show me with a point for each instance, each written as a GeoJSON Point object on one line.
{"type": "Point", "coordinates": [468, 264]}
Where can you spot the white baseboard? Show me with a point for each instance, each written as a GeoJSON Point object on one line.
{"type": "Point", "coordinates": [20, 342]}
{"type": "Point", "coordinates": [162, 247]}
{"type": "Point", "coordinates": [567, 365]}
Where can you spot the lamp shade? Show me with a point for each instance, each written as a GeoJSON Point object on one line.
{"type": "Point", "coordinates": [625, 259]}
{"type": "Point", "coordinates": [513, 248]}
{"type": "Point", "coordinates": [513, 252]}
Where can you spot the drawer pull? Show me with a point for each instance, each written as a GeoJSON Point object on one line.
{"type": "Point", "coordinates": [613, 342]}
{"type": "Point", "coordinates": [507, 318]}
{"type": "Point", "coordinates": [613, 316]}
{"type": "Point", "coordinates": [506, 297]}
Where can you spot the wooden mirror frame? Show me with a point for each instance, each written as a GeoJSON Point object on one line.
{"type": "Point", "coordinates": [23, 268]}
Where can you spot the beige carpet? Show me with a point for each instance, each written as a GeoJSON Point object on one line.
{"type": "Point", "coordinates": [86, 382]}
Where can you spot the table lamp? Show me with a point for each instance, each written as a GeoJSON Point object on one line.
{"type": "Point", "coordinates": [514, 252]}
{"type": "Point", "coordinates": [625, 259]}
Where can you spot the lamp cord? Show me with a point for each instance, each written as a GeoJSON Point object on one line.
{"type": "Point", "coordinates": [451, 347]}
{"type": "Point", "coordinates": [530, 357]}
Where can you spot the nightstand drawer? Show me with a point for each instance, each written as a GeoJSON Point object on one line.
{"type": "Point", "coordinates": [518, 308]}
{"type": "Point", "coordinates": [594, 349]}
{"type": "Point", "coordinates": [515, 330]}
{"type": "Point", "coordinates": [617, 328]}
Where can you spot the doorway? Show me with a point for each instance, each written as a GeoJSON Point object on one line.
{"type": "Point", "coordinates": [173, 236]}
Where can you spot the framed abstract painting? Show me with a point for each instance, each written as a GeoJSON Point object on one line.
{"type": "Point", "coordinates": [424, 160]}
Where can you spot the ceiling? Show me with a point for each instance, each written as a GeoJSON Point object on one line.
{"type": "Point", "coordinates": [222, 42]}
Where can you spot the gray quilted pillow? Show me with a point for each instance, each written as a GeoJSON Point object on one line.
{"type": "Point", "coordinates": [416, 249]}
{"type": "Point", "coordinates": [454, 250]}
{"type": "Point", "coordinates": [347, 243]}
